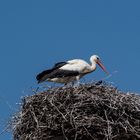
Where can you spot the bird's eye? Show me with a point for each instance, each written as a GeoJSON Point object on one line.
{"type": "Point", "coordinates": [97, 58]}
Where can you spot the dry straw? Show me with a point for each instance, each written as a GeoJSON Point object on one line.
{"type": "Point", "coordinates": [94, 111]}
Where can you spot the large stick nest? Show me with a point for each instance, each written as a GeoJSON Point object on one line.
{"type": "Point", "coordinates": [89, 111]}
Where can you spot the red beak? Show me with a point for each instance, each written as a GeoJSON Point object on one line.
{"type": "Point", "coordinates": [102, 66]}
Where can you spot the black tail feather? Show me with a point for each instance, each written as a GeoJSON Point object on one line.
{"type": "Point", "coordinates": [41, 76]}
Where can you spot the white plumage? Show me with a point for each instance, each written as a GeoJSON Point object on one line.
{"type": "Point", "coordinates": [72, 70]}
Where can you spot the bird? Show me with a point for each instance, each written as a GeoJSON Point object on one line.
{"type": "Point", "coordinates": [70, 71]}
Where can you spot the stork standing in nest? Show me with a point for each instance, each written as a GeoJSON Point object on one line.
{"type": "Point", "coordinates": [70, 71]}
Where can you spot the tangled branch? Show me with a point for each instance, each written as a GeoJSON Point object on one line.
{"type": "Point", "coordinates": [90, 111]}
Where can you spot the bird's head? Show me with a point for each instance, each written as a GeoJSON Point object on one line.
{"type": "Point", "coordinates": [96, 59]}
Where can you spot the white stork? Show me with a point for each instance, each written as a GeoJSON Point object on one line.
{"type": "Point", "coordinates": [70, 71]}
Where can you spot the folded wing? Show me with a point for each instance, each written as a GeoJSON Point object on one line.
{"type": "Point", "coordinates": [55, 72]}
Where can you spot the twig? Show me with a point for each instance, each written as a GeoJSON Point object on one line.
{"type": "Point", "coordinates": [108, 126]}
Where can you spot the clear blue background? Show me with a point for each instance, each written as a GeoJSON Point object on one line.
{"type": "Point", "coordinates": [36, 34]}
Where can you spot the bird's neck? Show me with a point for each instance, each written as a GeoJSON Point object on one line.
{"type": "Point", "coordinates": [93, 66]}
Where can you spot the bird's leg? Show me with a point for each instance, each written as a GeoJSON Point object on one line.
{"type": "Point", "coordinates": [76, 84]}
{"type": "Point", "coordinates": [70, 84]}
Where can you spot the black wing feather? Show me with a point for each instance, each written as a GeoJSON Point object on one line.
{"type": "Point", "coordinates": [59, 73]}
{"type": "Point", "coordinates": [40, 76]}
{"type": "Point", "coordinates": [45, 74]}
{"type": "Point", "coordinates": [59, 64]}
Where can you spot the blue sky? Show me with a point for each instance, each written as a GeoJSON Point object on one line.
{"type": "Point", "coordinates": [36, 34]}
